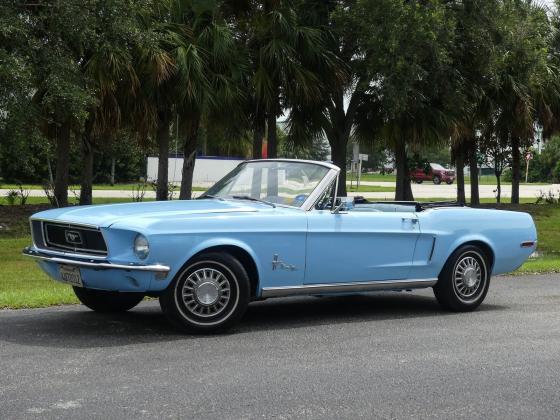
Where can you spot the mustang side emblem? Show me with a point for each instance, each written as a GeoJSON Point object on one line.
{"type": "Point", "coordinates": [277, 263]}
{"type": "Point", "coordinates": [73, 237]}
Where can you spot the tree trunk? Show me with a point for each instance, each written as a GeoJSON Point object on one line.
{"type": "Point", "coordinates": [258, 133]}
{"type": "Point", "coordinates": [49, 167]}
{"type": "Point", "coordinates": [113, 162]}
{"type": "Point", "coordinates": [87, 170]}
{"type": "Point", "coordinates": [338, 156]}
{"type": "Point", "coordinates": [272, 141]}
{"type": "Point", "coordinates": [62, 165]}
{"type": "Point", "coordinates": [189, 159]}
{"type": "Point", "coordinates": [162, 138]}
{"type": "Point", "coordinates": [403, 191]}
{"type": "Point", "coordinates": [515, 169]}
{"type": "Point", "coordinates": [498, 187]}
{"type": "Point", "coordinates": [473, 166]}
{"type": "Point", "coordinates": [460, 168]}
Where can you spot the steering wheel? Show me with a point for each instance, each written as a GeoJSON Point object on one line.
{"type": "Point", "coordinates": [299, 199]}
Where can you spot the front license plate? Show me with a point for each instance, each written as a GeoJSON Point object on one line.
{"type": "Point", "coordinates": [71, 275]}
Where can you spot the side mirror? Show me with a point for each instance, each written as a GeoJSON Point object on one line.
{"type": "Point", "coordinates": [342, 204]}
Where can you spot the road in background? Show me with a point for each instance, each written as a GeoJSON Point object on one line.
{"type": "Point", "coordinates": [428, 189]}
{"type": "Point", "coordinates": [376, 356]}
{"type": "Point", "coordinates": [424, 190]}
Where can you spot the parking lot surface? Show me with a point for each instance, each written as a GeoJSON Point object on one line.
{"type": "Point", "coordinates": [382, 355]}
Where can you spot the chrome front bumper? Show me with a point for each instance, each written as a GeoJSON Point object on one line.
{"type": "Point", "coordinates": [93, 264]}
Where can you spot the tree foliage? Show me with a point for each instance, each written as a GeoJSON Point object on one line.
{"type": "Point", "coordinates": [82, 82]}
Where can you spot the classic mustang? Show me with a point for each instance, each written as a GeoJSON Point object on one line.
{"type": "Point", "coordinates": [273, 228]}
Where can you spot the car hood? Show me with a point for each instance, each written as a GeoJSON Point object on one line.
{"type": "Point", "coordinates": [106, 215]}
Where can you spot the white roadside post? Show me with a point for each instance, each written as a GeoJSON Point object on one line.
{"type": "Point", "coordinates": [528, 157]}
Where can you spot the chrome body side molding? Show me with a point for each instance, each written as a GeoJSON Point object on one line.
{"type": "Point", "coordinates": [368, 286]}
{"type": "Point", "coordinates": [93, 264]}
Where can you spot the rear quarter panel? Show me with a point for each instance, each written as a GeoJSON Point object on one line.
{"type": "Point", "coordinates": [502, 231]}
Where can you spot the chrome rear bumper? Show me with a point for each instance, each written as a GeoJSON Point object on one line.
{"type": "Point", "coordinates": [93, 264]}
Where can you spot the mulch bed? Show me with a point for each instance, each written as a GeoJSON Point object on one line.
{"type": "Point", "coordinates": [14, 219]}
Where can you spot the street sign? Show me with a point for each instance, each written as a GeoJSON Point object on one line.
{"type": "Point", "coordinates": [363, 157]}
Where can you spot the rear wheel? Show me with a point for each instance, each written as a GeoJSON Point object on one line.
{"type": "Point", "coordinates": [437, 180]}
{"type": "Point", "coordinates": [107, 302]}
{"type": "Point", "coordinates": [211, 294]}
{"type": "Point", "coordinates": [463, 283]}
{"type": "Point", "coordinates": [418, 181]}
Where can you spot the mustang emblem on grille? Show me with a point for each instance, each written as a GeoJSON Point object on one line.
{"type": "Point", "coordinates": [73, 237]}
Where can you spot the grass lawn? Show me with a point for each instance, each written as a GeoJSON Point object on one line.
{"type": "Point", "coordinates": [369, 188]}
{"type": "Point", "coordinates": [540, 265]}
{"type": "Point", "coordinates": [484, 200]}
{"type": "Point", "coordinates": [130, 187]}
{"type": "Point", "coordinates": [24, 285]}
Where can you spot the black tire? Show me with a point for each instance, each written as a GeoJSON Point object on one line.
{"type": "Point", "coordinates": [107, 302]}
{"type": "Point", "coordinates": [219, 306]}
{"type": "Point", "coordinates": [449, 182]}
{"type": "Point", "coordinates": [454, 290]}
{"type": "Point", "coordinates": [419, 181]}
{"type": "Point", "coordinates": [437, 180]}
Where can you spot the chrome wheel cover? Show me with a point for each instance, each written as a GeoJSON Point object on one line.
{"type": "Point", "coordinates": [468, 277]}
{"type": "Point", "coordinates": [206, 292]}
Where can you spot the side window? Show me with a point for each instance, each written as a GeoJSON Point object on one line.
{"type": "Point", "coordinates": [326, 199]}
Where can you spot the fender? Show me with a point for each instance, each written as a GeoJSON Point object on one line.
{"type": "Point", "coordinates": [225, 241]}
{"type": "Point", "coordinates": [472, 238]}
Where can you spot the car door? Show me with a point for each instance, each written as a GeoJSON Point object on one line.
{"type": "Point", "coordinates": [358, 246]}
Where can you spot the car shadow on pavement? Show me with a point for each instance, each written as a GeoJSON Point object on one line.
{"type": "Point", "coordinates": [367, 307]}
{"type": "Point", "coordinates": [77, 327]}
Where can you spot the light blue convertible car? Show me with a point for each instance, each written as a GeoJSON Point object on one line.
{"type": "Point", "coordinates": [274, 228]}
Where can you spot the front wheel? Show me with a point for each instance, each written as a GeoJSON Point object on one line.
{"type": "Point", "coordinates": [107, 302]}
{"type": "Point", "coordinates": [463, 283]}
{"type": "Point", "coordinates": [437, 180]}
{"type": "Point", "coordinates": [449, 182]}
{"type": "Point", "coordinates": [211, 294]}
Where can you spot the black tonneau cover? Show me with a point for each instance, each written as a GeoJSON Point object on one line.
{"type": "Point", "coordinates": [418, 205]}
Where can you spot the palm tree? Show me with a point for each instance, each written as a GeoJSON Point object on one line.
{"type": "Point", "coordinates": [282, 51]}
{"type": "Point", "coordinates": [407, 47]}
{"type": "Point", "coordinates": [107, 67]}
{"type": "Point", "coordinates": [150, 107]}
{"type": "Point", "coordinates": [209, 70]}
{"type": "Point", "coordinates": [62, 93]}
{"type": "Point", "coordinates": [523, 71]}
{"type": "Point", "coordinates": [474, 54]}
{"type": "Point", "coordinates": [344, 92]}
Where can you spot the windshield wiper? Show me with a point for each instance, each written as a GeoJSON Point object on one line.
{"type": "Point", "coordinates": [203, 196]}
{"type": "Point", "coordinates": [248, 197]}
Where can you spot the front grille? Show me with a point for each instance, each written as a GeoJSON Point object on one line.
{"type": "Point", "coordinates": [68, 237]}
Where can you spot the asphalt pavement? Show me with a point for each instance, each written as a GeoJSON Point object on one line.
{"type": "Point", "coordinates": [376, 356]}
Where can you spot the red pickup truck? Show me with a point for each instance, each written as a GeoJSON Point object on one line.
{"type": "Point", "coordinates": [437, 174]}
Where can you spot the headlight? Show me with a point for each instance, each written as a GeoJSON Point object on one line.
{"type": "Point", "coordinates": [141, 247]}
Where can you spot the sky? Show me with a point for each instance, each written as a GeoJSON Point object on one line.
{"type": "Point", "coordinates": [549, 3]}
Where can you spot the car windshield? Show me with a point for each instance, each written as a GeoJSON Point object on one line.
{"type": "Point", "coordinates": [277, 182]}
{"type": "Point", "coordinates": [437, 166]}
